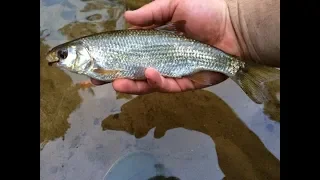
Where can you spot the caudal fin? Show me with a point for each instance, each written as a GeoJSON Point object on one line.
{"type": "Point", "coordinates": [253, 80]}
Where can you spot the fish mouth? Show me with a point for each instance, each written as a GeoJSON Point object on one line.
{"type": "Point", "coordinates": [52, 63]}
{"type": "Point", "coordinates": [52, 59]}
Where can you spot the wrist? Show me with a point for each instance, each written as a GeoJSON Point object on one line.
{"type": "Point", "coordinates": [240, 37]}
{"type": "Point", "coordinates": [256, 25]}
{"type": "Point", "coordinates": [227, 41]}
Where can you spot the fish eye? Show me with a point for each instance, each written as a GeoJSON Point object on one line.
{"type": "Point", "coordinates": [62, 53]}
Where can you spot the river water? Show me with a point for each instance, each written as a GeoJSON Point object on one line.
{"type": "Point", "coordinates": [204, 134]}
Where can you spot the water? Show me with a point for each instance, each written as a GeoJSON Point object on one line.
{"type": "Point", "coordinates": [83, 135]}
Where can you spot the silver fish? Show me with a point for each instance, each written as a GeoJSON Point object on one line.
{"type": "Point", "coordinates": [127, 53]}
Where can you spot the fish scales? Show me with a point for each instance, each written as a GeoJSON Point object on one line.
{"type": "Point", "coordinates": [172, 55]}
{"type": "Point", "coordinates": [127, 53]}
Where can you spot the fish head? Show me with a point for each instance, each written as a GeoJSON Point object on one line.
{"type": "Point", "coordinates": [73, 57]}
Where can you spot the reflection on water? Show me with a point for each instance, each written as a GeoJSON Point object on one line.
{"type": "Point", "coordinates": [241, 153]}
{"type": "Point", "coordinates": [96, 22]}
{"type": "Point", "coordinates": [57, 97]}
{"type": "Point", "coordinates": [78, 29]}
{"type": "Point", "coordinates": [124, 96]}
{"type": "Point", "coordinates": [135, 4]}
{"type": "Point", "coordinates": [94, 17]}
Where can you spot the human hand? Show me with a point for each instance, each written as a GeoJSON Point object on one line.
{"type": "Point", "coordinates": [206, 20]}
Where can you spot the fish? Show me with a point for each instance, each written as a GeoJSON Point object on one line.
{"type": "Point", "coordinates": [116, 54]}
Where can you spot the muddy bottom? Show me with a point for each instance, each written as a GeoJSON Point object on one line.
{"type": "Point", "coordinates": [59, 97]}
{"type": "Point", "coordinates": [241, 154]}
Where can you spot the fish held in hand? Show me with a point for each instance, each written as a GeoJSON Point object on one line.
{"type": "Point", "coordinates": [127, 53]}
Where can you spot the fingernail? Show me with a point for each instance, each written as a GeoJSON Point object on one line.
{"type": "Point", "coordinates": [152, 83]}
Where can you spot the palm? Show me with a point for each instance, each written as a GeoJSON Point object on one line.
{"type": "Point", "coordinates": [206, 21]}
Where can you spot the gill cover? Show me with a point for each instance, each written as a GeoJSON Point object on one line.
{"type": "Point", "coordinates": [75, 58]}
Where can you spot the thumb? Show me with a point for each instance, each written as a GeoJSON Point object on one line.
{"type": "Point", "coordinates": [154, 79]}
{"type": "Point", "coordinates": [157, 12]}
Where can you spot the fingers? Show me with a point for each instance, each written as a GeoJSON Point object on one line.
{"type": "Point", "coordinates": [156, 12]}
{"type": "Point", "coordinates": [132, 87]}
{"type": "Point", "coordinates": [163, 84]}
{"type": "Point", "coordinates": [156, 82]}
{"type": "Point", "coordinates": [153, 83]}
{"type": "Point", "coordinates": [154, 78]}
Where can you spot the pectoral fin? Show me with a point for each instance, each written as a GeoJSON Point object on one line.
{"type": "Point", "coordinates": [86, 85]}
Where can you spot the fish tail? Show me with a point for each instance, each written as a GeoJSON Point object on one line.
{"type": "Point", "coordinates": [253, 79]}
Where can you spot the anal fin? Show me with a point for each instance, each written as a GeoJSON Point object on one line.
{"type": "Point", "coordinates": [203, 78]}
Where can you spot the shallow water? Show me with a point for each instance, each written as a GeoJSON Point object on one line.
{"type": "Point", "coordinates": [204, 134]}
